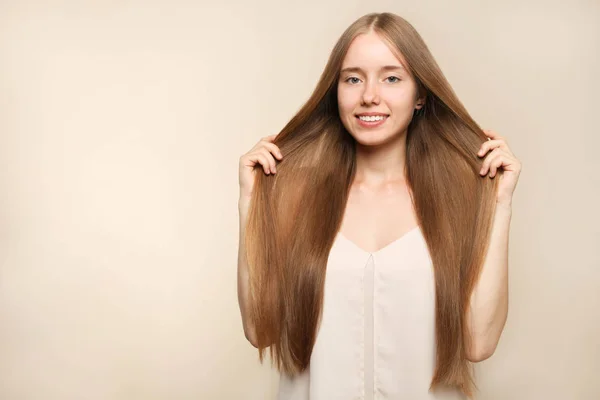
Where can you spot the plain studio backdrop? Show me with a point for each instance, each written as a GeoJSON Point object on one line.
{"type": "Point", "coordinates": [121, 128]}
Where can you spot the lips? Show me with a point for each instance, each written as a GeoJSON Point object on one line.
{"type": "Point", "coordinates": [371, 124]}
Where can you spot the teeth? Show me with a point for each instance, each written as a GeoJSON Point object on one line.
{"type": "Point", "coordinates": [372, 118]}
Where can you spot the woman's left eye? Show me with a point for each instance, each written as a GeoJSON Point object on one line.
{"type": "Point", "coordinates": [394, 77]}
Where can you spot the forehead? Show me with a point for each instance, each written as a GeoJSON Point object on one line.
{"type": "Point", "coordinates": [369, 51]}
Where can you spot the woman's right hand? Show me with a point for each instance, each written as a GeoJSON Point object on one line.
{"type": "Point", "coordinates": [264, 153]}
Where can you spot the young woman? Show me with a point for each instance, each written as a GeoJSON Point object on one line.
{"type": "Point", "coordinates": [373, 255]}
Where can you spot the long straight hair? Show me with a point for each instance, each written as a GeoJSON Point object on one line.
{"type": "Point", "coordinates": [295, 214]}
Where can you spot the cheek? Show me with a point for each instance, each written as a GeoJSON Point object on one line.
{"type": "Point", "coordinates": [398, 97]}
{"type": "Point", "coordinates": [400, 107]}
{"type": "Point", "coordinates": [346, 104]}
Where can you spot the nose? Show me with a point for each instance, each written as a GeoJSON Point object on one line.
{"type": "Point", "coordinates": [370, 95]}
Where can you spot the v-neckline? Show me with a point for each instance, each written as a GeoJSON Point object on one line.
{"type": "Point", "coordinates": [387, 246]}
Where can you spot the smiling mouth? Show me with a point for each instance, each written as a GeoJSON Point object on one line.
{"type": "Point", "coordinates": [371, 118]}
{"type": "Point", "coordinates": [371, 122]}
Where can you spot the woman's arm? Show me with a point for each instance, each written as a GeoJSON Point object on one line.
{"type": "Point", "coordinates": [489, 301]}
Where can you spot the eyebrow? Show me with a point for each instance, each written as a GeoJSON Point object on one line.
{"type": "Point", "coordinates": [384, 68]}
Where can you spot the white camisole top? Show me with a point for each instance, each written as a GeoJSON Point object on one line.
{"type": "Point", "coordinates": [376, 339]}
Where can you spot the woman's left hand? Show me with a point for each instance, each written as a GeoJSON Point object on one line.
{"type": "Point", "coordinates": [502, 158]}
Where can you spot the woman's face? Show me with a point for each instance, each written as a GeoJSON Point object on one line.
{"type": "Point", "coordinates": [373, 81]}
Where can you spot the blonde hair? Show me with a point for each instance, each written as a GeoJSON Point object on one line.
{"type": "Point", "coordinates": [295, 214]}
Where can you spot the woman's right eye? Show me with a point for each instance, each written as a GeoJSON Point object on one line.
{"type": "Point", "coordinates": [352, 77]}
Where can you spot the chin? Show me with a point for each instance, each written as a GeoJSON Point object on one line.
{"type": "Point", "coordinates": [375, 138]}
{"type": "Point", "coordinates": [372, 138]}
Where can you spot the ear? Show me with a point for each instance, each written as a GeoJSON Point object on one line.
{"type": "Point", "coordinates": [420, 102]}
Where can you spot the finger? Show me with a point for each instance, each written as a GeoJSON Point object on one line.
{"type": "Point", "coordinates": [270, 159]}
{"type": "Point", "coordinates": [260, 158]}
{"type": "Point", "coordinates": [495, 164]}
{"type": "Point", "coordinates": [499, 141]}
{"type": "Point", "coordinates": [492, 134]}
{"type": "Point", "coordinates": [501, 160]}
{"type": "Point", "coordinates": [488, 160]}
{"type": "Point", "coordinates": [491, 145]}
{"type": "Point", "coordinates": [263, 140]}
{"type": "Point", "coordinates": [274, 150]}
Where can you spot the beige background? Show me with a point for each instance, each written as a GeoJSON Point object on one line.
{"type": "Point", "coordinates": [121, 125]}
